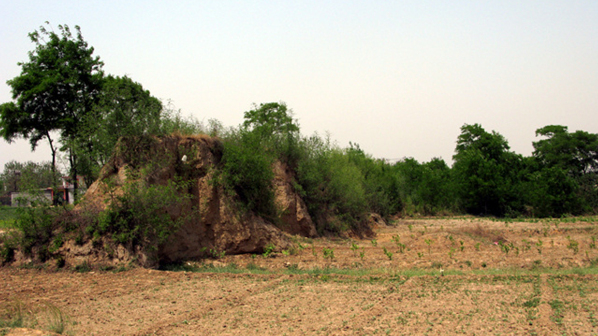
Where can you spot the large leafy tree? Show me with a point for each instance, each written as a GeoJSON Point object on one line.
{"type": "Point", "coordinates": [572, 159]}
{"type": "Point", "coordinates": [577, 152]}
{"type": "Point", "coordinates": [55, 91]}
{"type": "Point", "coordinates": [270, 119]}
{"type": "Point", "coordinates": [485, 171]}
{"type": "Point", "coordinates": [123, 108]}
{"type": "Point", "coordinates": [273, 125]}
{"type": "Point", "coordinates": [268, 134]}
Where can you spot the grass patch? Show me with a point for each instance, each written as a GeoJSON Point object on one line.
{"type": "Point", "coordinates": [8, 215]}
{"type": "Point", "coordinates": [315, 271]}
{"type": "Point", "coordinates": [210, 268]}
{"type": "Point", "coordinates": [46, 317]}
{"type": "Point", "coordinates": [515, 271]}
{"type": "Point", "coordinates": [7, 224]}
{"type": "Point", "coordinates": [385, 273]}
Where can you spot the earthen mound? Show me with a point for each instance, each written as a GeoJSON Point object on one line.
{"type": "Point", "coordinates": [213, 223]}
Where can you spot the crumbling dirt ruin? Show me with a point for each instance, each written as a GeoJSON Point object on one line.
{"type": "Point", "coordinates": [214, 224]}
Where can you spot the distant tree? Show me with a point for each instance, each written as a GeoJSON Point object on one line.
{"type": "Point", "coordinates": [270, 119]}
{"type": "Point", "coordinates": [575, 152]}
{"type": "Point", "coordinates": [436, 188]}
{"type": "Point", "coordinates": [485, 171]}
{"type": "Point", "coordinates": [425, 188]}
{"type": "Point", "coordinates": [552, 192]}
{"type": "Point", "coordinates": [568, 165]}
{"type": "Point", "coordinates": [408, 175]}
{"type": "Point", "coordinates": [56, 89]}
{"type": "Point", "coordinates": [273, 125]}
{"type": "Point", "coordinates": [475, 138]}
{"type": "Point", "coordinates": [15, 123]}
{"type": "Point", "coordinates": [379, 182]}
{"type": "Point", "coordinates": [22, 176]}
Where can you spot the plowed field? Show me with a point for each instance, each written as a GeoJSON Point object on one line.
{"type": "Point", "coordinates": [436, 276]}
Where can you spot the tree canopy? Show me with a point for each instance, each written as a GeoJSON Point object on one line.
{"type": "Point", "coordinates": [62, 90]}
{"type": "Point", "coordinates": [123, 108]}
{"type": "Point", "coordinates": [577, 152]}
{"type": "Point", "coordinates": [484, 171]}
{"type": "Point", "coordinates": [56, 89]}
{"type": "Point", "coordinates": [270, 119]}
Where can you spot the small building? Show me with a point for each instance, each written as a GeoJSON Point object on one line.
{"type": "Point", "coordinates": [63, 193]}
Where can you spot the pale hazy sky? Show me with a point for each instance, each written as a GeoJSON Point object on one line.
{"type": "Point", "coordinates": [397, 77]}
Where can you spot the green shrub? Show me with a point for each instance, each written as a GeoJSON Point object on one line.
{"type": "Point", "coordinates": [36, 226]}
{"type": "Point", "coordinates": [332, 186]}
{"type": "Point", "coordinates": [8, 245]}
{"type": "Point", "coordinates": [144, 215]}
{"type": "Point", "coordinates": [379, 182]}
{"type": "Point", "coordinates": [247, 170]}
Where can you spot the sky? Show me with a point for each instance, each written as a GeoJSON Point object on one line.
{"type": "Point", "coordinates": [399, 78]}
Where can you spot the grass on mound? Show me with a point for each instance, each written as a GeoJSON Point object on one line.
{"type": "Point", "coordinates": [8, 215]}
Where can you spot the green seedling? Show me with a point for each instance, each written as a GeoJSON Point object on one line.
{"type": "Point", "coordinates": [374, 242]}
{"type": "Point", "coordinates": [593, 243]}
{"type": "Point", "coordinates": [362, 254]}
{"type": "Point", "coordinates": [429, 243]}
{"type": "Point", "coordinates": [504, 247]}
{"type": "Point", "coordinates": [526, 245]}
{"type": "Point", "coordinates": [388, 253]}
{"type": "Point", "coordinates": [462, 247]}
{"type": "Point", "coordinates": [217, 254]}
{"type": "Point", "coordinates": [477, 246]}
{"type": "Point", "coordinates": [539, 246]}
{"type": "Point", "coordinates": [573, 245]}
{"type": "Point", "coordinates": [268, 251]}
{"type": "Point", "coordinates": [328, 253]}
{"type": "Point", "coordinates": [354, 248]}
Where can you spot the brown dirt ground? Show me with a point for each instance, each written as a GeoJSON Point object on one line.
{"type": "Point", "coordinates": [481, 290]}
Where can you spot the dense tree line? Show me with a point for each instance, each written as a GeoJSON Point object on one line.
{"type": "Point", "coordinates": [342, 185]}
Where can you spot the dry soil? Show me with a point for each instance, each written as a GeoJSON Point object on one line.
{"type": "Point", "coordinates": [419, 276]}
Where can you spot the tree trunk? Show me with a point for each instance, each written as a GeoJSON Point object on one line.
{"type": "Point", "coordinates": [53, 156]}
{"type": "Point", "coordinates": [73, 162]}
